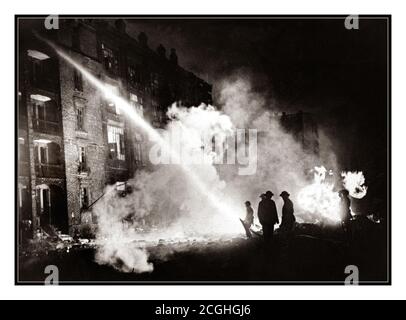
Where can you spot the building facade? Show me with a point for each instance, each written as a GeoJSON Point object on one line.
{"type": "Point", "coordinates": [73, 141]}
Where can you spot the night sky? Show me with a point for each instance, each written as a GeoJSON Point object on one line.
{"type": "Point", "coordinates": [311, 64]}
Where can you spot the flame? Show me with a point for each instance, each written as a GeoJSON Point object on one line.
{"type": "Point", "coordinates": [319, 198]}
{"type": "Point", "coordinates": [354, 183]}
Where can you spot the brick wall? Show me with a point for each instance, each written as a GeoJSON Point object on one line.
{"type": "Point", "coordinates": [92, 138]}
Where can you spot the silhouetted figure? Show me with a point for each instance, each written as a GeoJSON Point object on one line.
{"type": "Point", "coordinates": [267, 215]}
{"type": "Point", "coordinates": [345, 211]}
{"type": "Point", "coordinates": [249, 219]}
{"type": "Point", "coordinates": [288, 217]}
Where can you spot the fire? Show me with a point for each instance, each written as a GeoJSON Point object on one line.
{"type": "Point", "coordinates": [354, 183]}
{"type": "Point", "coordinates": [320, 198]}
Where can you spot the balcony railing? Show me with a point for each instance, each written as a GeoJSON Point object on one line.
{"type": "Point", "coordinates": [49, 170]}
{"type": "Point", "coordinates": [46, 126]}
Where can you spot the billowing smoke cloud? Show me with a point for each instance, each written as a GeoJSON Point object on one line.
{"type": "Point", "coordinates": [168, 202]}
{"type": "Point", "coordinates": [165, 201]}
{"type": "Point", "coordinates": [282, 163]}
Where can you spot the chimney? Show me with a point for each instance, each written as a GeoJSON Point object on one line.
{"type": "Point", "coordinates": [173, 56]}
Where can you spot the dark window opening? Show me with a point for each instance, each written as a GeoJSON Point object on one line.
{"type": "Point", "coordinates": [43, 70]}
{"type": "Point", "coordinates": [80, 109]}
{"type": "Point", "coordinates": [79, 118]}
{"type": "Point", "coordinates": [44, 114]}
{"type": "Point", "coordinates": [43, 155]}
{"type": "Point", "coordinates": [82, 159]}
{"type": "Point", "coordinates": [137, 103]}
{"type": "Point", "coordinates": [134, 75]}
{"type": "Point", "coordinates": [138, 153]}
{"type": "Point", "coordinates": [84, 198]}
{"type": "Point", "coordinates": [110, 60]}
{"type": "Point", "coordinates": [78, 80]}
{"type": "Point", "coordinates": [24, 203]}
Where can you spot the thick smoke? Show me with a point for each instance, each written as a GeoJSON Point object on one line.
{"type": "Point", "coordinates": [165, 201]}
{"type": "Point", "coordinates": [282, 163]}
{"type": "Point", "coordinates": [181, 196]}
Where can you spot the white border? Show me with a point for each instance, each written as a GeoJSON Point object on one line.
{"type": "Point", "coordinates": [202, 292]}
{"type": "Point", "coordinates": [270, 282]}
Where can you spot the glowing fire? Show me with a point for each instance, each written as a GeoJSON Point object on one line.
{"type": "Point", "coordinates": [319, 197]}
{"type": "Point", "coordinates": [321, 200]}
{"type": "Point", "coordinates": [354, 183]}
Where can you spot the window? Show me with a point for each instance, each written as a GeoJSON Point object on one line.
{"type": "Point", "coordinates": [38, 109]}
{"type": "Point", "coordinates": [42, 69]}
{"type": "Point", "coordinates": [82, 155]}
{"type": "Point", "coordinates": [84, 198]}
{"type": "Point", "coordinates": [79, 118]}
{"type": "Point", "coordinates": [134, 75]}
{"type": "Point", "coordinates": [24, 202]}
{"type": "Point", "coordinates": [157, 113]}
{"type": "Point", "coordinates": [82, 159]}
{"type": "Point", "coordinates": [136, 102]}
{"type": "Point", "coordinates": [80, 114]}
{"type": "Point", "coordinates": [138, 151]}
{"type": "Point", "coordinates": [43, 199]}
{"type": "Point", "coordinates": [47, 152]}
{"type": "Point", "coordinates": [78, 81]}
{"type": "Point", "coordinates": [110, 104]}
{"type": "Point", "coordinates": [110, 60]}
{"type": "Point", "coordinates": [115, 138]}
{"type": "Point", "coordinates": [43, 154]}
{"type": "Point", "coordinates": [44, 114]}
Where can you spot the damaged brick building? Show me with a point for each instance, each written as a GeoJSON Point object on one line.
{"type": "Point", "coordinates": [72, 141]}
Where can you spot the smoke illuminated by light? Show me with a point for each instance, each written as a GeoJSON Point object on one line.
{"type": "Point", "coordinates": [229, 212]}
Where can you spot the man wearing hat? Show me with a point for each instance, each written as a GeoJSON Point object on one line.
{"type": "Point", "coordinates": [288, 217]}
{"type": "Point", "coordinates": [267, 215]}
